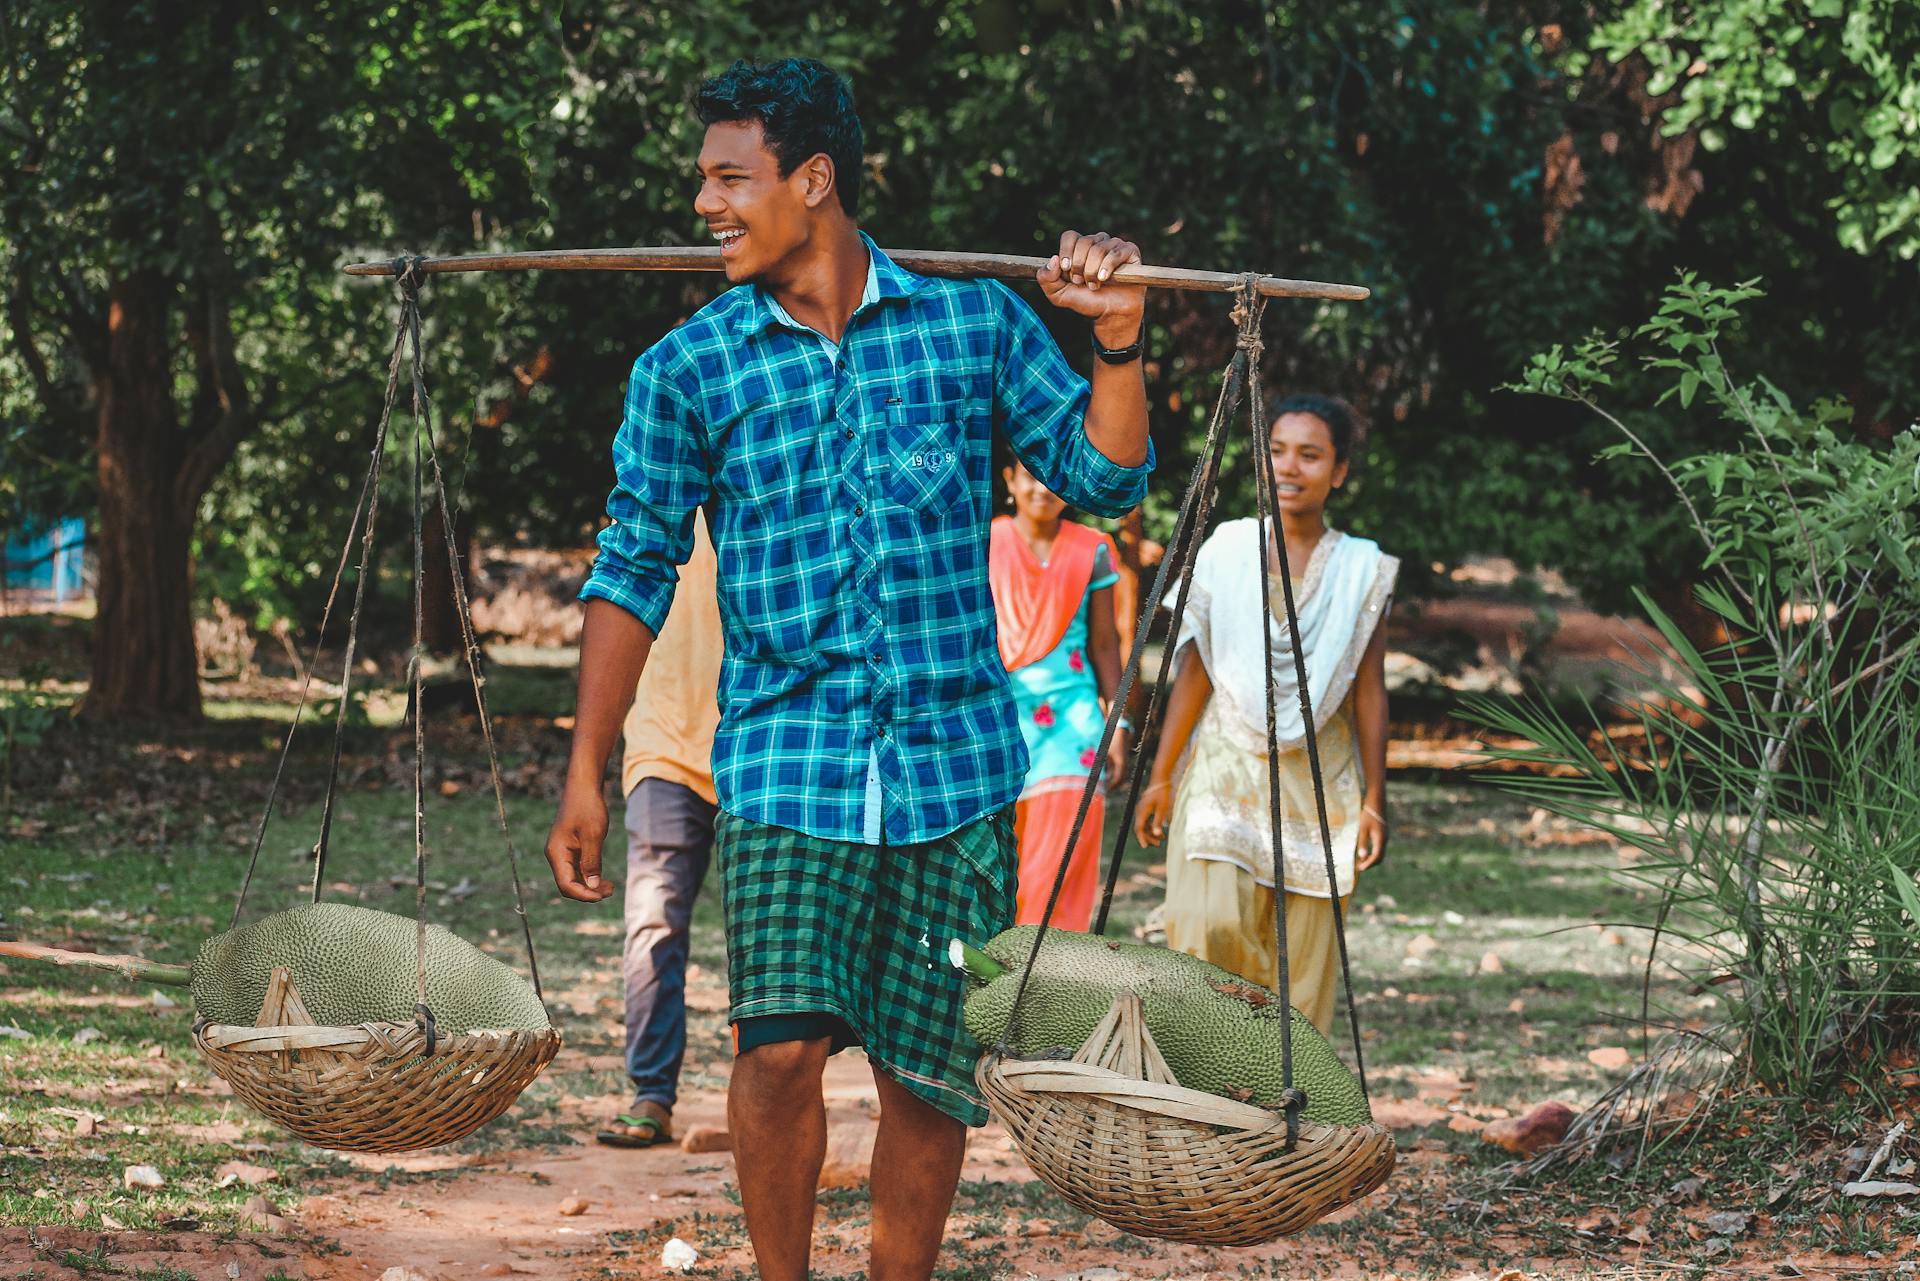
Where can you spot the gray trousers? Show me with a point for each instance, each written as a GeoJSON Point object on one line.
{"type": "Point", "coordinates": [669, 844]}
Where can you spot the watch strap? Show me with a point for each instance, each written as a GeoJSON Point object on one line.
{"type": "Point", "coordinates": [1122, 355]}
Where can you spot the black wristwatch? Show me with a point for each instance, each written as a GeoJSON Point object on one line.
{"type": "Point", "coordinates": [1122, 355]}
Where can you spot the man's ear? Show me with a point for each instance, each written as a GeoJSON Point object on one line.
{"type": "Point", "coordinates": [817, 180]}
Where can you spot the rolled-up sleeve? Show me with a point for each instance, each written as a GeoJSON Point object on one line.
{"type": "Point", "coordinates": [1040, 403]}
{"type": "Point", "coordinates": [660, 477]}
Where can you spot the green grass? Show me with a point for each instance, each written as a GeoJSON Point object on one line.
{"type": "Point", "coordinates": [147, 857]}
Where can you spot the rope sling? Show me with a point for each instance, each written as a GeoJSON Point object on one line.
{"type": "Point", "coordinates": [382, 1087]}
{"type": "Point", "coordinates": [1125, 1141]}
{"type": "Point", "coordinates": [370, 1080]}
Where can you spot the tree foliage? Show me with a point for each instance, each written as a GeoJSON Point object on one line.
{"type": "Point", "coordinates": [1496, 173]}
{"type": "Point", "coordinates": [1836, 79]}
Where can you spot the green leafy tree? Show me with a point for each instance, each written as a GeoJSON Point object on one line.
{"type": "Point", "coordinates": [176, 185]}
{"type": "Point", "coordinates": [1837, 81]}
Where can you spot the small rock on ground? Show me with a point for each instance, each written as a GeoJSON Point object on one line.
{"type": "Point", "coordinates": [257, 1211]}
{"type": "Point", "coordinates": [706, 1138]}
{"type": "Point", "coordinates": [849, 1156]}
{"type": "Point", "coordinates": [1535, 1132]}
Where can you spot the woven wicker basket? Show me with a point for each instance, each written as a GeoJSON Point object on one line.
{"type": "Point", "coordinates": [372, 1087]}
{"type": "Point", "coordinates": [1113, 1133]}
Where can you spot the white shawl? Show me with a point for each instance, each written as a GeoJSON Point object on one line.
{"type": "Point", "coordinates": [1340, 600]}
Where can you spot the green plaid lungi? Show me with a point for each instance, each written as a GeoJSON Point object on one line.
{"type": "Point", "coordinates": [862, 932]}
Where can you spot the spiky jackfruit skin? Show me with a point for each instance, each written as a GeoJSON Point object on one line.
{"type": "Point", "coordinates": [1219, 1033]}
{"type": "Point", "coordinates": [356, 965]}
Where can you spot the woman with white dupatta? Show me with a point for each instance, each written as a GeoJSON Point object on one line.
{"type": "Point", "coordinates": [1208, 795]}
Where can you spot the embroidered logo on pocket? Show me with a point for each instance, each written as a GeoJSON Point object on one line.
{"type": "Point", "coordinates": [933, 459]}
{"type": "Point", "coordinates": [929, 469]}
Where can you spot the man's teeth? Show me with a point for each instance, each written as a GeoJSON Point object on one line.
{"type": "Point", "coordinates": [725, 237]}
{"type": "Point", "coordinates": [1290, 489]}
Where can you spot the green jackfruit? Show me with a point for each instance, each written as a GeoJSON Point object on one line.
{"type": "Point", "coordinates": [1218, 1033]}
{"type": "Point", "coordinates": [356, 965]}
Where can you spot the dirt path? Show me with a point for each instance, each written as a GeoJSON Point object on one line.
{"type": "Point", "coordinates": [504, 1217]}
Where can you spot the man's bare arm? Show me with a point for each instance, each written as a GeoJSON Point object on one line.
{"type": "Point", "coordinates": [613, 651]}
{"type": "Point", "coordinates": [1076, 278]}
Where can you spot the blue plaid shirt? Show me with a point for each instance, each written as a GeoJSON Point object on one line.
{"type": "Point", "coordinates": [848, 493]}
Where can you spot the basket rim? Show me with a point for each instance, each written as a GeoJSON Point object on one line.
{"type": "Point", "coordinates": [1175, 1100]}
{"type": "Point", "coordinates": [277, 1038]}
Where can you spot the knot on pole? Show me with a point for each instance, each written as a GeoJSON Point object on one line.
{"type": "Point", "coordinates": [1247, 310]}
{"type": "Point", "coordinates": [409, 273]}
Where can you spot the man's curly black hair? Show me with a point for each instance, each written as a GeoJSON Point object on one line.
{"type": "Point", "coordinates": [804, 108]}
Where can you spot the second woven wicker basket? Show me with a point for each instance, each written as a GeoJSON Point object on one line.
{"type": "Point", "coordinates": [372, 1087]}
{"type": "Point", "coordinates": [1114, 1134]}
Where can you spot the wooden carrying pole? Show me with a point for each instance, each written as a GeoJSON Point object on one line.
{"type": "Point", "coordinates": [928, 262]}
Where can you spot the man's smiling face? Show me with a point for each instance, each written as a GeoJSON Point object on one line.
{"type": "Point", "coordinates": [757, 216]}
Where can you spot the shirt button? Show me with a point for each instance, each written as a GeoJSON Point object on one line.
{"type": "Point", "coordinates": [849, 433]}
{"type": "Point", "coordinates": [858, 509]}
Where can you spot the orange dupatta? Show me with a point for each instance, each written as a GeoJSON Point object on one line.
{"type": "Point", "coordinates": [1034, 604]}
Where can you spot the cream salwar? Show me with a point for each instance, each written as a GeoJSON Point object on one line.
{"type": "Point", "coordinates": [1217, 912]}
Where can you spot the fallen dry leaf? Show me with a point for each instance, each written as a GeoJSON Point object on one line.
{"type": "Point", "coordinates": [253, 1176]}
{"type": "Point", "coordinates": [1728, 1223]}
{"type": "Point", "coordinates": [1609, 1058]}
{"type": "Point", "coordinates": [1879, 1187]}
{"type": "Point", "coordinates": [142, 1176]}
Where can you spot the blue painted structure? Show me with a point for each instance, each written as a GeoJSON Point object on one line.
{"type": "Point", "coordinates": [48, 559]}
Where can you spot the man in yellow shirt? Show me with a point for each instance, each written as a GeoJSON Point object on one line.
{"type": "Point", "coordinates": [667, 775]}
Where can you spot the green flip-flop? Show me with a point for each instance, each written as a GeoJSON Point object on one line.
{"type": "Point", "coordinates": [651, 1131]}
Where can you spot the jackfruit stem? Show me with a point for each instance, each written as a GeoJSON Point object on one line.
{"type": "Point", "coordinates": [975, 962]}
{"type": "Point", "coordinates": [136, 968]}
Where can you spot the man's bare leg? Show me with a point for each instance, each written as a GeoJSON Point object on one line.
{"type": "Point", "coordinates": [779, 1121]}
{"type": "Point", "coordinates": [916, 1166]}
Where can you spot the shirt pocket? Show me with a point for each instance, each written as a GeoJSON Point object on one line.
{"type": "Point", "coordinates": [926, 456]}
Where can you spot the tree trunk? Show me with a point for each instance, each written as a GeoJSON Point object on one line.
{"type": "Point", "coordinates": [144, 663]}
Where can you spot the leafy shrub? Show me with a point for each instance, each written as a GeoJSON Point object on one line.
{"type": "Point", "coordinates": [1776, 789]}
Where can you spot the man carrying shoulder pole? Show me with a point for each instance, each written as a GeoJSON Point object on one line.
{"type": "Point", "coordinates": [833, 412]}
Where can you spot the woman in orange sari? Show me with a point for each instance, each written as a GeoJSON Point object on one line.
{"type": "Point", "coordinates": [1053, 597]}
